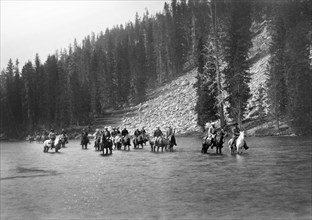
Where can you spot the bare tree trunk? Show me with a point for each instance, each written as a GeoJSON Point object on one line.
{"type": "Point", "coordinates": [216, 54]}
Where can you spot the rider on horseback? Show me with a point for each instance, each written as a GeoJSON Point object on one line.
{"type": "Point", "coordinates": [136, 133]}
{"type": "Point", "coordinates": [106, 134]}
{"type": "Point", "coordinates": [97, 136]}
{"type": "Point", "coordinates": [157, 134]}
{"type": "Point", "coordinates": [211, 134]}
{"type": "Point", "coordinates": [143, 131]}
{"type": "Point", "coordinates": [236, 132]}
{"type": "Point", "coordinates": [170, 135]}
{"type": "Point", "coordinates": [124, 132]}
{"type": "Point", "coordinates": [52, 137]}
{"type": "Point", "coordinates": [64, 134]}
{"type": "Point", "coordinates": [114, 132]}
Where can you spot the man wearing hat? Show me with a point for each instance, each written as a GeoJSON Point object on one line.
{"type": "Point", "coordinates": [64, 134]}
{"type": "Point", "coordinates": [52, 137]}
{"type": "Point", "coordinates": [157, 134]}
{"type": "Point", "coordinates": [211, 134]}
{"type": "Point", "coordinates": [124, 132]}
{"type": "Point", "coordinates": [235, 131]}
{"type": "Point", "coordinates": [106, 134]}
{"type": "Point", "coordinates": [170, 135]}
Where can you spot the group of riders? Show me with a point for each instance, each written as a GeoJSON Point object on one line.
{"type": "Point", "coordinates": [109, 134]}
{"type": "Point", "coordinates": [48, 136]}
{"type": "Point", "coordinates": [211, 136]}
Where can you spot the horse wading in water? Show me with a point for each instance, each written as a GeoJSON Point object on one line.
{"type": "Point", "coordinates": [160, 142]}
{"type": "Point", "coordinates": [85, 141]}
{"type": "Point", "coordinates": [125, 140]}
{"type": "Point", "coordinates": [217, 143]}
{"type": "Point", "coordinates": [117, 140]}
{"type": "Point", "coordinates": [107, 144]}
{"type": "Point", "coordinates": [239, 145]}
{"type": "Point", "coordinates": [137, 141]}
{"type": "Point", "coordinates": [63, 140]}
{"type": "Point", "coordinates": [48, 144]}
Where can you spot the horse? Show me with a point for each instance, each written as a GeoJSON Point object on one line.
{"type": "Point", "coordinates": [125, 140]}
{"type": "Point", "coordinates": [151, 142]}
{"type": "Point", "coordinates": [219, 140]}
{"type": "Point", "coordinates": [107, 144]}
{"type": "Point", "coordinates": [162, 143]}
{"type": "Point", "coordinates": [145, 139]}
{"type": "Point", "coordinates": [171, 143]}
{"type": "Point", "coordinates": [84, 142]}
{"type": "Point", "coordinates": [48, 144]}
{"type": "Point", "coordinates": [206, 143]}
{"type": "Point", "coordinates": [217, 143]}
{"type": "Point", "coordinates": [239, 145]}
{"type": "Point", "coordinates": [138, 141]}
{"type": "Point", "coordinates": [63, 140]}
{"type": "Point", "coordinates": [117, 142]}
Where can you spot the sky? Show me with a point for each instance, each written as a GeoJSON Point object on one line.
{"type": "Point", "coordinates": [30, 27]}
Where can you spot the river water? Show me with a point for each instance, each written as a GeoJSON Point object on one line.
{"type": "Point", "coordinates": [271, 180]}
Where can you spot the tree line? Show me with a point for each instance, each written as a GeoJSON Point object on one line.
{"type": "Point", "coordinates": [116, 68]}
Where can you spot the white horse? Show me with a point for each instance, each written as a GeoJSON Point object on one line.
{"type": "Point", "coordinates": [48, 144]}
{"type": "Point", "coordinates": [240, 143]}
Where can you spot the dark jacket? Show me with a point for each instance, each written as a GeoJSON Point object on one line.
{"type": "Point", "coordinates": [137, 133]}
{"type": "Point", "coordinates": [158, 133]}
{"type": "Point", "coordinates": [235, 131]}
{"type": "Point", "coordinates": [124, 132]}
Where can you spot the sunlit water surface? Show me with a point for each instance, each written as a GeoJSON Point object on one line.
{"type": "Point", "coordinates": [271, 180]}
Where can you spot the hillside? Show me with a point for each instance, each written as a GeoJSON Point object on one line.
{"type": "Point", "coordinates": [174, 103]}
{"type": "Point", "coordinates": [171, 104]}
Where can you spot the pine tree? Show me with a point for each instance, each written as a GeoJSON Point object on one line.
{"type": "Point", "coordinates": [28, 76]}
{"type": "Point", "coordinates": [236, 50]}
{"type": "Point", "coordinates": [276, 81]}
{"type": "Point", "coordinates": [206, 106]}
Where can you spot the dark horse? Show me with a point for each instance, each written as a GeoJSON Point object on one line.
{"type": "Point", "coordinates": [138, 141]}
{"type": "Point", "coordinates": [107, 144]}
{"type": "Point", "coordinates": [125, 140]}
{"type": "Point", "coordinates": [217, 143]}
{"type": "Point", "coordinates": [171, 142]}
{"type": "Point", "coordinates": [64, 140]}
{"type": "Point", "coordinates": [85, 141]}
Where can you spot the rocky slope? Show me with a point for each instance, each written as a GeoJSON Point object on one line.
{"type": "Point", "coordinates": [172, 104]}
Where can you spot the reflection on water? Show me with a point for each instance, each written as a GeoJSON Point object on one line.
{"type": "Point", "coordinates": [270, 180]}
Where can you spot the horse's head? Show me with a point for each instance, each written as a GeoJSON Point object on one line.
{"type": "Point", "coordinates": [58, 139]}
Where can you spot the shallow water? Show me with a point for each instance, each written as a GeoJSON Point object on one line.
{"type": "Point", "coordinates": [271, 180]}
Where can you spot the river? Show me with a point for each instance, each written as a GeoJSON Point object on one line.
{"type": "Point", "coordinates": [271, 180]}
